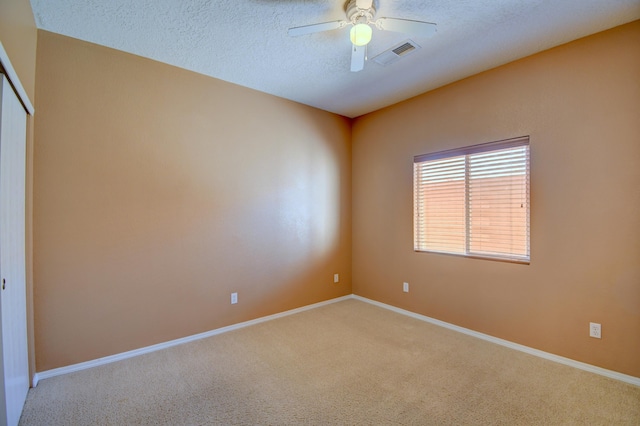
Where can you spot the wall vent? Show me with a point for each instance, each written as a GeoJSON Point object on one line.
{"type": "Point", "coordinates": [396, 52]}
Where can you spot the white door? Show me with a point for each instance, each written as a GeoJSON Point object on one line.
{"type": "Point", "coordinates": [13, 306]}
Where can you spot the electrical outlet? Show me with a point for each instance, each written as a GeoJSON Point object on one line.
{"type": "Point", "coordinates": [336, 278]}
{"type": "Point", "coordinates": [405, 287]}
{"type": "Point", "coordinates": [234, 298]}
{"type": "Point", "coordinates": [595, 330]}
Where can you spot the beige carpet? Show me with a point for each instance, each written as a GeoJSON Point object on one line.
{"type": "Point", "coordinates": [346, 363]}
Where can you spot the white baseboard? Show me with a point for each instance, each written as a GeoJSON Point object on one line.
{"type": "Point", "coordinates": [546, 355]}
{"type": "Point", "coordinates": [129, 354]}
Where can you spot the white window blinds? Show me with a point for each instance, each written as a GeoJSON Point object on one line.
{"type": "Point", "coordinates": [474, 201]}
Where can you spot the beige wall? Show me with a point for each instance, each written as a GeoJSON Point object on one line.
{"type": "Point", "coordinates": [159, 191]}
{"type": "Point", "coordinates": [18, 35]}
{"type": "Point", "coordinates": [580, 103]}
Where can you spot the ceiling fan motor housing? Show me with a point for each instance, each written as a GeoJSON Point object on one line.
{"type": "Point", "coordinates": [360, 16]}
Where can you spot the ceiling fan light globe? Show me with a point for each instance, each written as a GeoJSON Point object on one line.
{"type": "Point", "coordinates": [361, 34]}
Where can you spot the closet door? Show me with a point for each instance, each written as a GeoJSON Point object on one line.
{"type": "Point", "coordinates": [13, 306]}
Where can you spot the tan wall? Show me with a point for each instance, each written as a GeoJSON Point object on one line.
{"type": "Point", "coordinates": [159, 191]}
{"type": "Point", "coordinates": [18, 35]}
{"type": "Point", "coordinates": [580, 103]}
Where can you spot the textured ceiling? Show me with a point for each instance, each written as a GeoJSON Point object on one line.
{"type": "Point", "coordinates": [246, 41]}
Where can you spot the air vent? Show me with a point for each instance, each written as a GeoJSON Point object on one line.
{"type": "Point", "coordinates": [405, 48]}
{"type": "Point", "coordinates": [396, 52]}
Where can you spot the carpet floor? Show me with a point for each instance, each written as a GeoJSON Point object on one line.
{"type": "Point", "coordinates": [347, 363]}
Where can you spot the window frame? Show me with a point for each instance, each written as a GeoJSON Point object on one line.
{"type": "Point", "coordinates": [518, 142]}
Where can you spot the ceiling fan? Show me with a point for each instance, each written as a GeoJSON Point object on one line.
{"type": "Point", "coordinates": [360, 14]}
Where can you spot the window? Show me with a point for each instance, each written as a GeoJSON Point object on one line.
{"type": "Point", "coordinates": [474, 201]}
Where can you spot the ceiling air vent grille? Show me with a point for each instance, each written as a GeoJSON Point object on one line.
{"type": "Point", "coordinates": [405, 48]}
{"type": "Point", "coordinates": [396, 52]}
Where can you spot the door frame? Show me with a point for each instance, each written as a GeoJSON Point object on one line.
{"type": "Point", "coordinates": [14, 81]}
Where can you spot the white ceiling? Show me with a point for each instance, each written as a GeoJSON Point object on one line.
{"type": "Point", "coordinates": [246, 41]}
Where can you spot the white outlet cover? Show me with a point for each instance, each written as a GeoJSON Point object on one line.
{"type": "Point", "coordinates": [595, 330]}
{"type": "Point", "coordinates": [234, 298]}
{"type": "Point", "coordinates": [405, 287]}
{"type": "Point", "coordinates": [336, 278]}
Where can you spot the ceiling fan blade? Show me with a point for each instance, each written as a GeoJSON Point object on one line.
{"type": "Point", "coordinates": [417, 28]}
{"type": "Point", "coordinates": [364, 4]}
{"type": "Point", "coordinates": [316, 28]}
{"type": "Point", "coordinates": [358, 55]}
